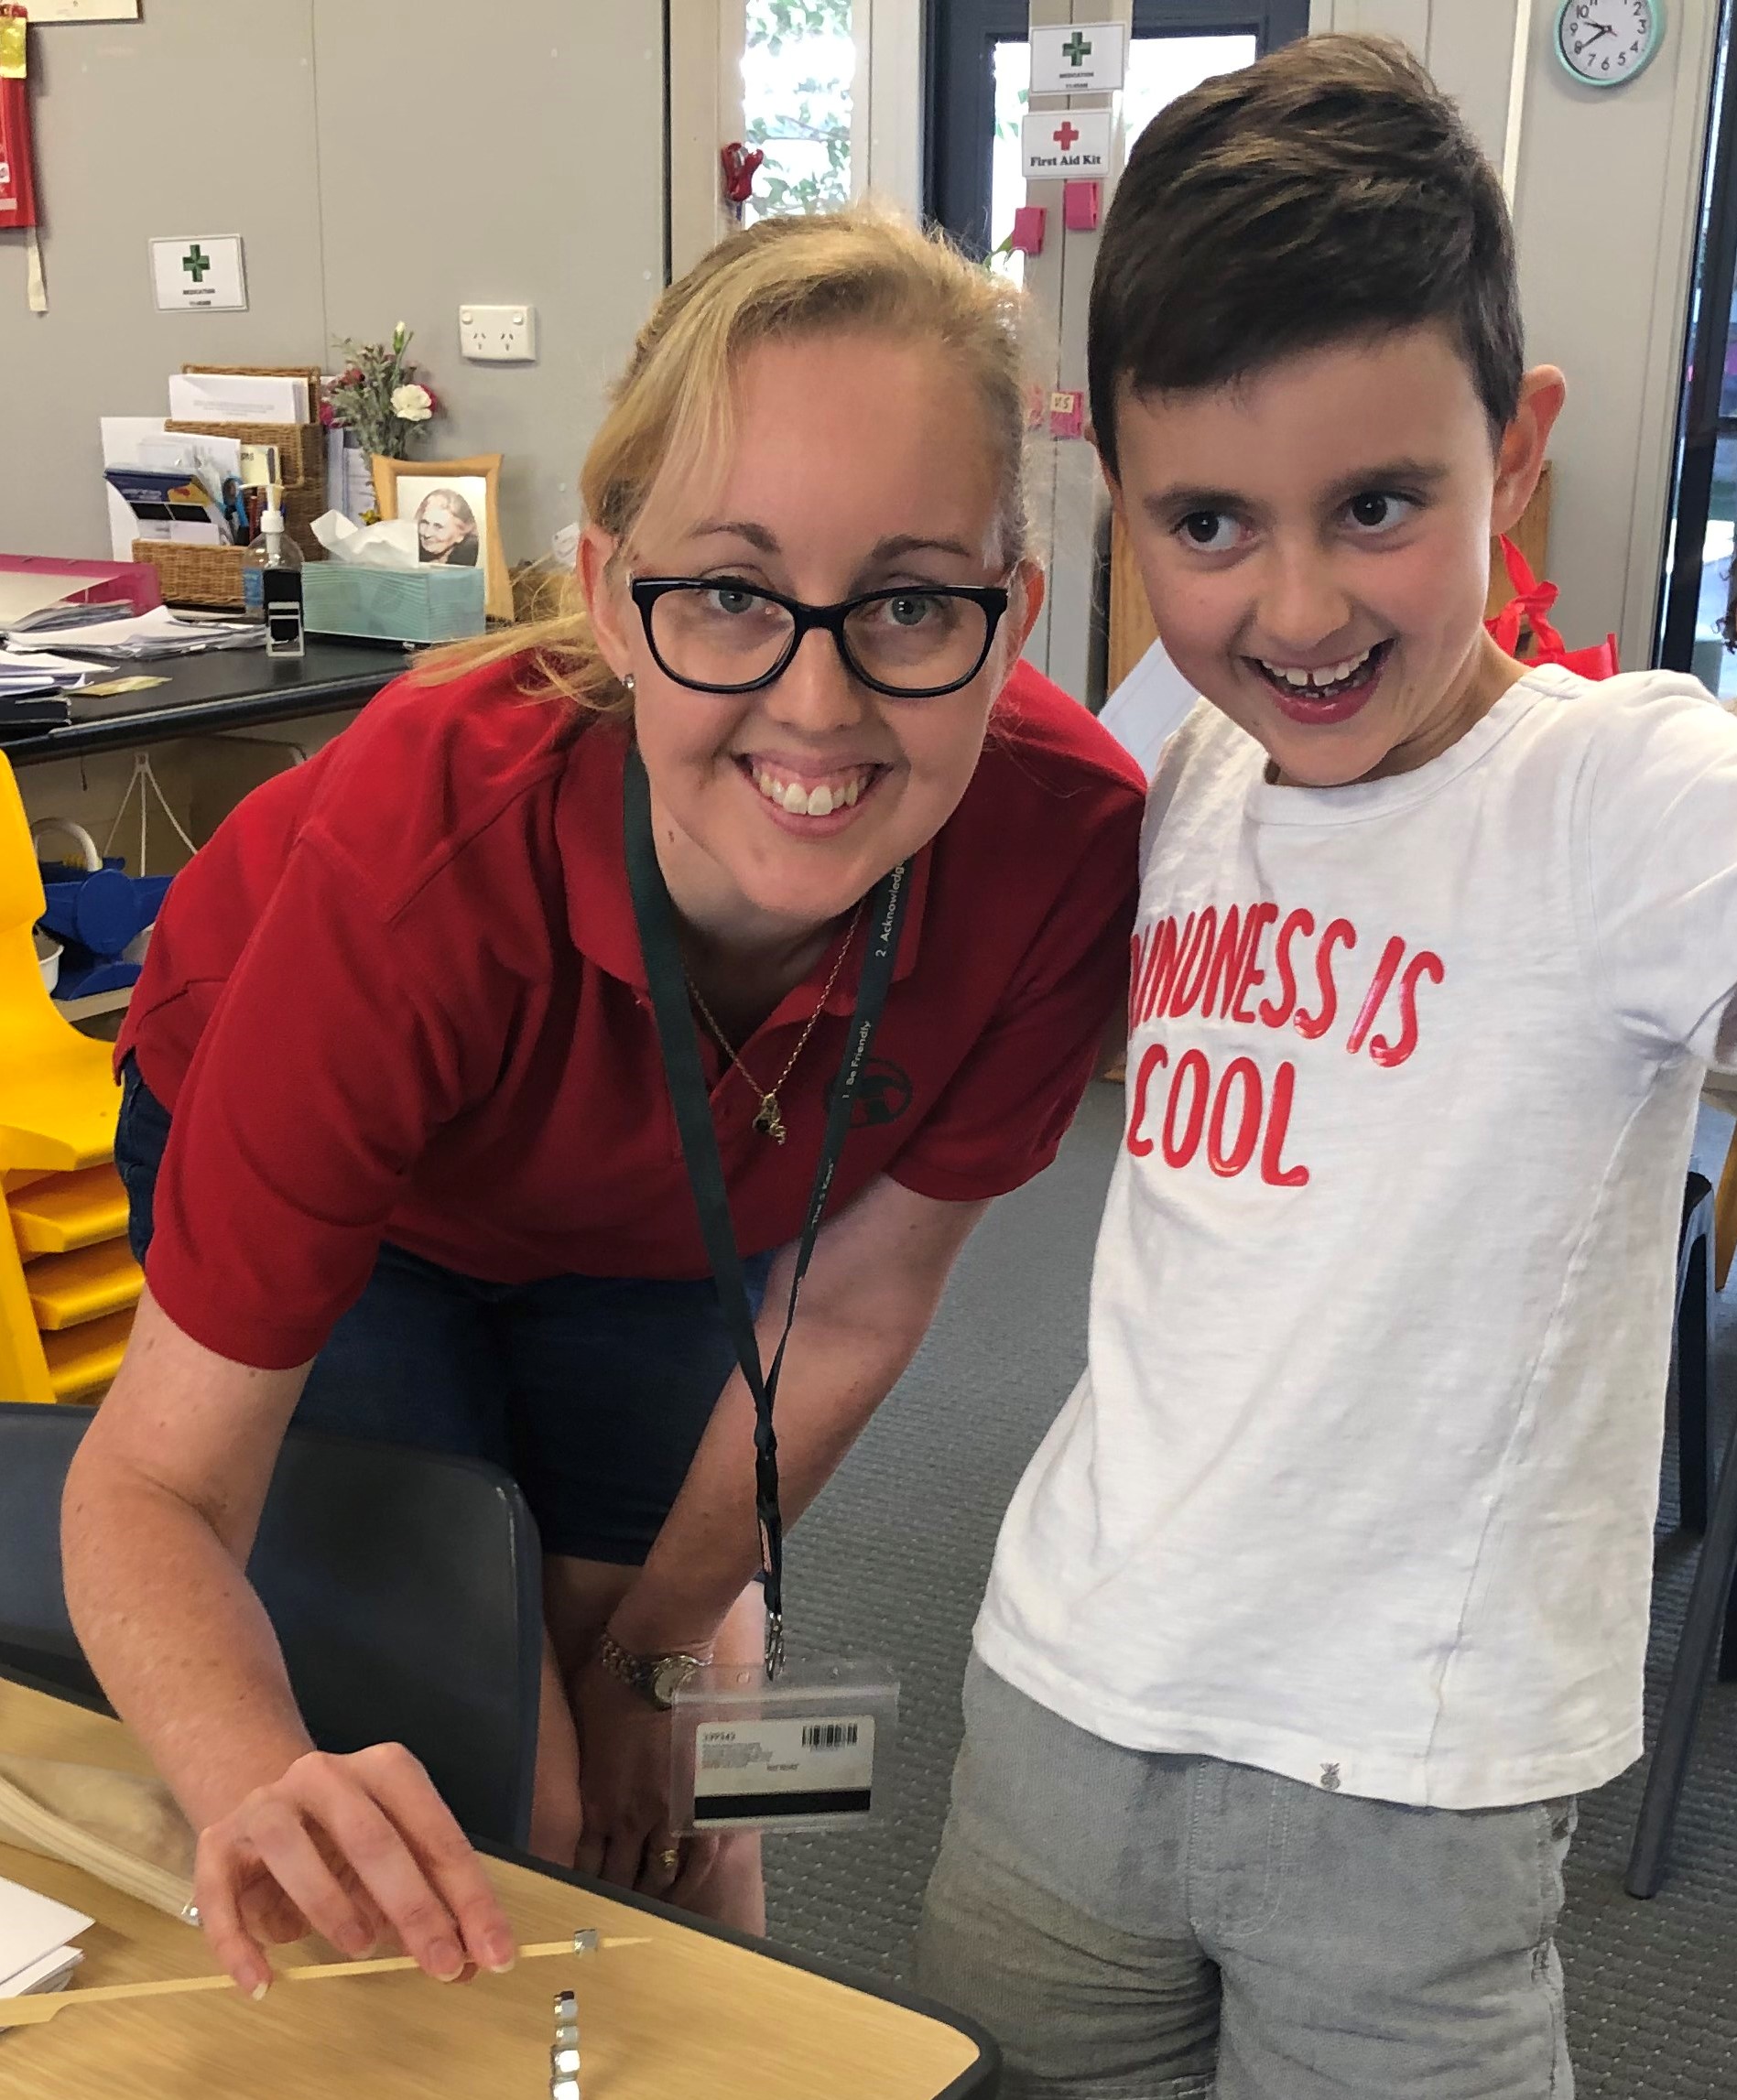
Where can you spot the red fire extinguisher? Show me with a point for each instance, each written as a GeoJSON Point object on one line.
{"type": "Point", "coordinates": [17, 180]}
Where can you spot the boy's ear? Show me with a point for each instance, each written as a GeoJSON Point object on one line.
{"type": "Point", "coordinates": [1520, 455]}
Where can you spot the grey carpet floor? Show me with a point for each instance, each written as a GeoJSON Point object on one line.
{"type": "Point", "coordinates": [892, 1560]}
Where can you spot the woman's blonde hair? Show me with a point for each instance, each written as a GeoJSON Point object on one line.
{"type": "Point", "coordinates": [864, 268]}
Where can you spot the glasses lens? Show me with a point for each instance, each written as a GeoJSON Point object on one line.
{"type": "Point", "coordinates": [721, 634]}
{"type": "Point", "coordinates": [916, 640]}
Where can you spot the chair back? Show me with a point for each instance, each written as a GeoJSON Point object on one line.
{"type": "Point", "coordinates": [404, 1587]}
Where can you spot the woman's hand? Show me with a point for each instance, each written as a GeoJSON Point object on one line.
{"type": "Point", "coordinates": [624, 1779]}
{"type": "Point", "coordinates": [360, 1849]}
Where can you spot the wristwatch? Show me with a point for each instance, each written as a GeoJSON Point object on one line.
{"type": "Point", "coordinates": [656, 1678]}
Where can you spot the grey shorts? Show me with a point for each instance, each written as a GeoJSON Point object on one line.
{"type": "Point", "coordinates": [1132, 1926]}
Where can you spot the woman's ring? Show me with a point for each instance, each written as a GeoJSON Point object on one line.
{"type": "Point", "coordinates": [669, 1859]}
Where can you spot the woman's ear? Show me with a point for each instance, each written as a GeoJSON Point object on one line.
{"type": "Point", "coordinates": [1520, 455]}
{"type": "Point", "coordinates": [1025, 604]}
{"type": "Point", "coordinates": [605, 600]}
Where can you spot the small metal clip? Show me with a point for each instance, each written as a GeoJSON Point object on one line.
{"type": "Point", "coordinates": [563, 2061]}
{"type": "Point", "coordinates": [566, 2034]}
{"type": "Point", "coordinates": [587, 1940]}
{"type": "Point", "coordinates": [565, 2006]}
{"type": "Point", "coordinates": [564, 2089]}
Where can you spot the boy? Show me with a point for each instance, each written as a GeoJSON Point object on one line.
{"type": "Point", "coordinates": [1327, 1592]}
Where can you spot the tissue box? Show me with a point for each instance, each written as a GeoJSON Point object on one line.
{"type": "Point", "coordinates": [432, 604]}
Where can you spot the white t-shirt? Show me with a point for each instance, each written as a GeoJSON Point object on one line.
{"type": "Point", "coordinates": [1360, 1483]}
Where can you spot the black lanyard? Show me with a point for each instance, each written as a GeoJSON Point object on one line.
{"type": "Point", "coordinates": [686, 1081]}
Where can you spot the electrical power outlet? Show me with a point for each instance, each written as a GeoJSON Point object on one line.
{"type": "Point", "coordinates": [498, 335]}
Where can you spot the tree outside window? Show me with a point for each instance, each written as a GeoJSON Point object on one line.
{"type": "Point", "coordinates": [797, 68]}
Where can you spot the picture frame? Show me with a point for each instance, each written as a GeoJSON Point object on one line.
{"type": "Point", "coordinates": [464, 527]}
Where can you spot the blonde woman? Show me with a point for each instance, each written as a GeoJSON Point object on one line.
{"type": "Point", "coordinates": [396, 1125]}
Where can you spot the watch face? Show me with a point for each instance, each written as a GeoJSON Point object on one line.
{"type": "Point", "coordinates": [672, 1673]}
{"type": "Point", "coordinates": [1606, 42]}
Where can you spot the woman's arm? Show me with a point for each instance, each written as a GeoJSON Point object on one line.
{"type": "Point", "coordinates": [162, 1504]}
{"type": "Point", "coordinates": [877, 1276]}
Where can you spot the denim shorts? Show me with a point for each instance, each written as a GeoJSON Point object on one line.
{"type": "Point", "coordinates": [592, 1392]}
{"type": "Point", "coordinates": [1136, 1926]}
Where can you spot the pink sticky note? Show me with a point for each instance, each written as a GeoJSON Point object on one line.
{"type": "Point", "coordinates": [1028, 229]}
{"type": "Point", "coordinates": [1079, 206]}
{"type": "Point", "coordinates": [1067, 413]}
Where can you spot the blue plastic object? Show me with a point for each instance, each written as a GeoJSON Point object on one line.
{"type": "Point", "coordinates": [95, 915]}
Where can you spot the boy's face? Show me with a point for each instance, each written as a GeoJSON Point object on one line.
{"type": "Point", "coordinates": [1315, 544]}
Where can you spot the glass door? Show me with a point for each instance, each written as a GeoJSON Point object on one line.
{"type": "Point", "coordinates": [980, 75]}
{"type": "Point", "coordinates": [1698, 601]}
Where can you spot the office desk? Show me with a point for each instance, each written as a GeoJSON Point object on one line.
{"type": "Point", "coordinates": [227, 690]}
{"type": "Point", "coordinates": [695, 2015]}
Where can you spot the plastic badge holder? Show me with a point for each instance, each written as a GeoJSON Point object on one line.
{"type": "Point", "coordinates": [813, 1751]}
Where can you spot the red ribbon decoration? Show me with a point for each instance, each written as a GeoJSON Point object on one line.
{"type": "Point", "coordinates": [739, 166]}
{"type": "Point", "coordinates": [17, 183]}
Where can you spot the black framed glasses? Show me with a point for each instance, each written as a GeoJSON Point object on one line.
{"type": "Point", "coordinates": [715, 635]}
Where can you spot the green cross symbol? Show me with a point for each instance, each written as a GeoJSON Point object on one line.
{"type": "Point", "coordinates": [196, 263]}
{"type": "Point", "coordinates": [1077, 49]}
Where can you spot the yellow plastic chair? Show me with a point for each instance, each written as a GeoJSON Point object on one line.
{"type": "Point", "coordinates": [59, 1102]}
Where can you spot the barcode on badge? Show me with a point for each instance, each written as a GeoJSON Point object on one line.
{"type": "Point", "coordinates": [829, 1735]}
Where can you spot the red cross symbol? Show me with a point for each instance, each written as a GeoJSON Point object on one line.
{"type": "Point", "coordinates": [1066, 136]}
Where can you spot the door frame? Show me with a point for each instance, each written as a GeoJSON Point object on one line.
{"type": "Point", "coordinates": [959, 97]}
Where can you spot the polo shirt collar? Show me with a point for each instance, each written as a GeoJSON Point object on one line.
{"type": "Point", "coordinates": [600, 906]}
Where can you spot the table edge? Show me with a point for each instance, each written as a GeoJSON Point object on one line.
{"type": "Point", "coordinates": [199, 718]}
{"type": "Point", "coordinates": [980, 2081]}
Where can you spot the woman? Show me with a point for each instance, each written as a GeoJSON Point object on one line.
{"type": "Point", "coordinates": [423, 1181]}
{"type": "Point", "coordinates": [446, 530]}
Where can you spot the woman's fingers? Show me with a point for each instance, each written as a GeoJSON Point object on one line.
{"type": "Point", "coordinates": [663, 1863]}
{"type": "Point", "coordinates": [361, 1849]}
{"type": "Point", "coordinates": [410, 1856]}
{"type": "Point", "coordinates": [623, 1850]}
{"type": "Point", "coordinates": [218, 1875]}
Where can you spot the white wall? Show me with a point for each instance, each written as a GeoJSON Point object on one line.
{"type": "Point", "coordinates": [1605, 201]}
{"type": "Point", "coordinates": [382, 161]}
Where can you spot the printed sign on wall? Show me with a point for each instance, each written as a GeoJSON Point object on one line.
{"type": "Point", "coordinates": [1059, 144]}
{"type": "Point", "coordinates": [1078, 58]}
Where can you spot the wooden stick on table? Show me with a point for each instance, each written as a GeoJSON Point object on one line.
{"type": "Point", "coordinates": [38, 2008]}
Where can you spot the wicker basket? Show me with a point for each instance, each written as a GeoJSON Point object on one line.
{"type": "Point", "coordinates": [205, 576]}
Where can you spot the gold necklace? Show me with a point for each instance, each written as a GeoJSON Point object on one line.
{"type": "Point", "coordinates": [769, 1121]}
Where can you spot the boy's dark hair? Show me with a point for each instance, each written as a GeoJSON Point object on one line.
{"type": "Point", "coordinates": [1328, 191]}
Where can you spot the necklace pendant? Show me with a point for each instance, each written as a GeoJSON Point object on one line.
{"type": "Point", "coordinates": [769, 1122]}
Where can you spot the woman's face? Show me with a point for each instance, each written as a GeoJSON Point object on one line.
{"type": "Point", "coordinates": [858, 464]}
{"type": "Point", "coordinates": [437, 527]}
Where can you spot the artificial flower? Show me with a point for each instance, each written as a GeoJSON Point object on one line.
{"type": "Point", "coordinates": [412, 403]}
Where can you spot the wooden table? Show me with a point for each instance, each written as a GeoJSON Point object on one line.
{"type": "Point", "coordinates": [696, 2015]}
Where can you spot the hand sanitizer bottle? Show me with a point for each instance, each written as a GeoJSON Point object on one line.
{"type": "Point", "coordinates": [271, 581]}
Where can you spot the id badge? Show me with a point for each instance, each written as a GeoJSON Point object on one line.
{"type": "Point", "coordinates": [812, 1751]}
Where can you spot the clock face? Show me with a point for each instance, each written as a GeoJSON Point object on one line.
{"type": "Point", "coordinates": [1606, 42]}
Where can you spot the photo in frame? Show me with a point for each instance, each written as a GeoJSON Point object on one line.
{"type": "Point", "coordinates": [456, 506]}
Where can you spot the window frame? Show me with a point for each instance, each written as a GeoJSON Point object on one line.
{"type": "Point", "coordinates": [960, 87]}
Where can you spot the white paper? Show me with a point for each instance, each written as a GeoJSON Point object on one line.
{"type": "Point", "coordinates": [236, 397]}
{"type": "Point", "coordinates": [31, 1927]}
{"type": "Point", "coordinates": [82, 11]}
{"type": "Point", "coordinates": [1148, 707]}
{"type": "Point", "coordinates": [389, 545]}
{"type": "Point", "coordinates": [24, 592]}
{"type": "Point", "coordinates": [156, 632]}
{"type": "Point", "coordinates": [49, 1974]}
{"type": "Point", "coordinates": [122, 436]}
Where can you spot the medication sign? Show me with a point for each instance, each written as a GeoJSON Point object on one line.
{"type": "Point", "coordinates": [205, 272]}
{"type": "Point", "coordinates": [1078, 58]}
{"type": "Point", "coordinates": [1061, 145]}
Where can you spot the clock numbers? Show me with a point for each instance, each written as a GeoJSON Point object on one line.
{"type": "Point", "coordinates": [1606, 42]}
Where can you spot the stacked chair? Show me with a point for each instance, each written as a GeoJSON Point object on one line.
{"type": "Point", "coordinates": [67, 1282]}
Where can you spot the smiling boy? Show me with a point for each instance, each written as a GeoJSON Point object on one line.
{"type": "Point", "coordinates": [1329, 1590]}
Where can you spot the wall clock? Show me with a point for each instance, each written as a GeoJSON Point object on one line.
{"type": "Point", "coordinates": [1606, 43]}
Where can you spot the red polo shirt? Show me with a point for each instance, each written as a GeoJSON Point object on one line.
{"type": "Point", "coordinates": [400, 996]}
